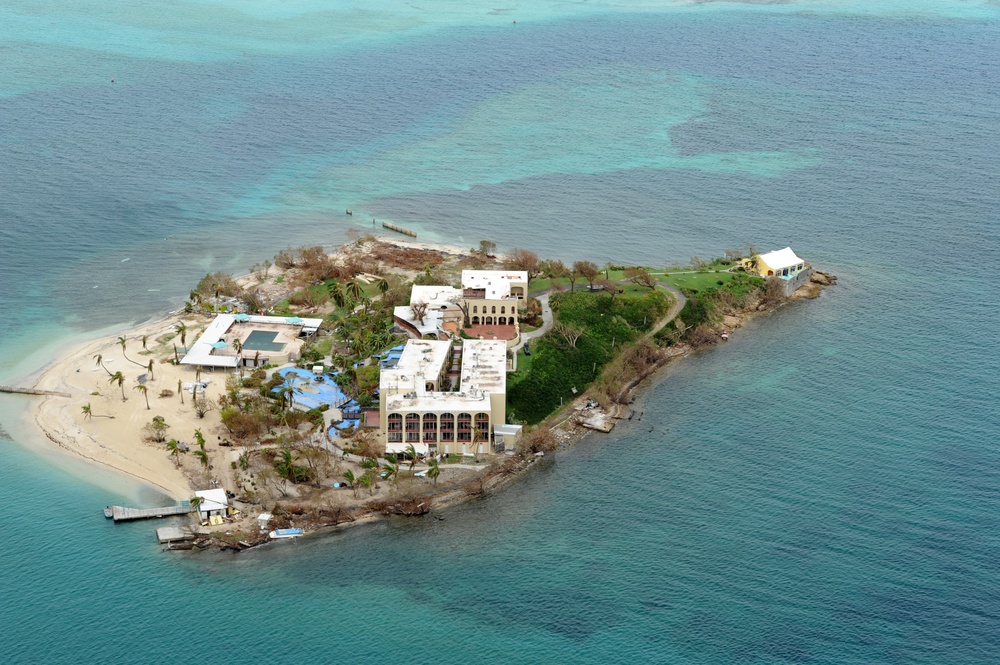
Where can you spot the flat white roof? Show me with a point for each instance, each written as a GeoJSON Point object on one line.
{"type": "Point", "coordinates": [484, 366]}
{"type": "Point", "coordinates": [212, 500]}
{"type": "Point", "coordinates": [420, 358]}
{"type": "Point", "coordinates": [495, 282]}
{"type": "Point", "coordinates": [484, 372]}
{"type": "Point", "coordinates": [782, 258]}
{"type": "Point", "coordinates": [200, 352]}
{"type": "Point", "coordinates": [432, 319]}
{"type": "Point", "coordinates": [435, 296]}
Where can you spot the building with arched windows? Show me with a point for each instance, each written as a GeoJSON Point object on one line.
{"type": "Point", "coordinates": [493, 297]}
{"type": "Point", "coordinates": [488, 303]}
{"type": "Point", "coordinates": [445, 397]}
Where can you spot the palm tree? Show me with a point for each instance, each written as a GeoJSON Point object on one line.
{"type": "Point", "coordinates": [144, 389]}
{"type": "Point", "coordinates": [336, 292]}
{"type": "Point", "coordinates": [354, 288]}
{"type": "Point", "coordinates": [180, 391]}
{"type": "Point", "coordinates": [121, 343]}
{"type": "Point", "coordinates": [149, 368]}
{"type": "Point", "coordinates": [202, 456]}
{"type": "Point", "coordinates": [99, 361]}
{"type": "Point", "coordinates": [368, 480]}
{"type": "Point", "coordinates": [352, 480]}
{"type": "Point", "coordinates": [434, 471]}
{"type": "Point", "coordinates": [412, 454]}
{"type": "Point", "coordinates": [176, 451]}
{"type": "Point", "coordinates": [199, 438]}
{"type": "Point", "coordinates": [144, 337]}
{"type": "Point", "coordinates": [119, 378]}
{"type": "Point", "coordinates": [382, 284]}
{"type": "Point", "coordinates": [195, 502]}
{"type": "Point", "coordinates": [287, 391]}
{"type": "Point", "coordinates": [87, 412]}
{"type": "Point", "coordinates": [285, 465]}
{"type": "Point", "coordinates": [390, 470]}
{"type": "Point", "coordinates": [182, 331]}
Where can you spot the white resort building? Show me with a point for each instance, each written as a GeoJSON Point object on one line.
{"type": "Point", "coordinates": [234, 340]}
{"type": "Point", "coordinates": [489, 299]}
{"type": "Point", "coordinates": [421, 403]}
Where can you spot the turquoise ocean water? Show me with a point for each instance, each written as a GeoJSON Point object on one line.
{"type": "Point", "coordinates": [825, 488]}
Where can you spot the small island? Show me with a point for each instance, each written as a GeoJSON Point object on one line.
{"type": "Point", "coordinates": [329, 388]}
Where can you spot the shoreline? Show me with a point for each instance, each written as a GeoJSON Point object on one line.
{"type": "Point", "coordinates": [55, 423]}
{"type": "Point", "coordinates": [112, 436]}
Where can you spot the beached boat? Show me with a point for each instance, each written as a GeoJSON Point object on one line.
{"type": "Point", "coordinates": [285, 533]}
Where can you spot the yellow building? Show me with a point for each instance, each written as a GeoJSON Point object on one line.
{"type": "Point", "coordinates": [494, 296]}
{"type": "Point", "coordinates": [780, 263]}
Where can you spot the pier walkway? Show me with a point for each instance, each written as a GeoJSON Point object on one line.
{"type": "Point", "coordinates": [123, 514]}
{"type": "Point", "coordinates": [32, 391]}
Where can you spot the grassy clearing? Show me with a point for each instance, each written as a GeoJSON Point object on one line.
{"type": "Point", "coordinates": [695, 280]}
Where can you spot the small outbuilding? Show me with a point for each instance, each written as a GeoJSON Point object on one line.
{"type": "Point", "coordinates": [780, 263]}
{"type": "Point", "coordinates": [213, 502]}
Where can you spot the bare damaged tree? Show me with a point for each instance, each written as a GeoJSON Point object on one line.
{"type": "Point", "coordinates": [588, 270]}
{"type": "Point", "coordinates": [541, 440]}
{"type": "Point", "coordinates": [487, 248]}
{"type": "Point", "coordinates": [419, 311]}
{"type": "Point", "coordinates": [522, 259]}
{"type": "Point", "coordinates": [202, 405]}
{"type": "Point", "coordinates": [639, 276]}
{"type": "Point", "coordinates": [466, 321]}
{"type": "Point", "coordinates": [568, 332]}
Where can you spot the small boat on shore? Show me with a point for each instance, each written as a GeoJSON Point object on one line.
{"type": "Point", "coordinates": [285, 533]}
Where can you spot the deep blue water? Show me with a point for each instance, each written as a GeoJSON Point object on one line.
{"type": "Point", "coordinates": [825, 488]}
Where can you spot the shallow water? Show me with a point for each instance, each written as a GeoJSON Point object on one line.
{"type": "Point", "coordinates": [823, 488]}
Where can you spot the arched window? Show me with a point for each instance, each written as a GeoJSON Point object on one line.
{"type": "Point", "coordinates": [395, 422]}
{"type": "Point", "coordinates": [413, 422]}
{"type": "Point", "coordinates": [447, 427]}
{"type": "Point", "coordinates": [494, 310]}
{"type": "Point", "coordinates": [475, 309]}
{"type": "Point", "coordinates": [475, 320]}
{"type": "Point", "coordinates": [483, 426]}
{"type": "Point", "coordinates": [430, 428]}
{"type": "Point", "coordinates": [503, 309]}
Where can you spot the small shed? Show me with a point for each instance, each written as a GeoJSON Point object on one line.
{"type": "Point", "coordinates": [213, 502]}
{"type": "Point", "coordinates": [505, 437]}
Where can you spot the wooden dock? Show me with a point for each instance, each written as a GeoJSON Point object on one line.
{"type": "Point", "coordinates": [36, 391]}
{"type": "Point", "coordinates": [123, 514]}
{"type": "Point", "coordinates": [399, 229]}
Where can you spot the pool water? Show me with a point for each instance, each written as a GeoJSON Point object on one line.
{"type": "Point", "coordinates": [262, 340]}
{"type": "Point", "coordinates": [312, 394]}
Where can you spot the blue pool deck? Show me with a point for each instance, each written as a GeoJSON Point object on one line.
{"type": "Point", "coordinates": [311, 394]}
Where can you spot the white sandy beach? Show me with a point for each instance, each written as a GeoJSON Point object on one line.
{"type": "Point", "coordinates": [117, 442]}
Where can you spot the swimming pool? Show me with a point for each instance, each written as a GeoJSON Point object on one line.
{"type": "Point", "coordinates": [262, 340]}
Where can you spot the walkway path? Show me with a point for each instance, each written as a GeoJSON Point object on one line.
{"type": "Point", "coordinates": [679, 301]}
{"type": "Point", "coordinates": [543, 299]}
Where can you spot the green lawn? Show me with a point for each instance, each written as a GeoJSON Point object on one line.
{"type": "Point", "coordinates": [697, 280]}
